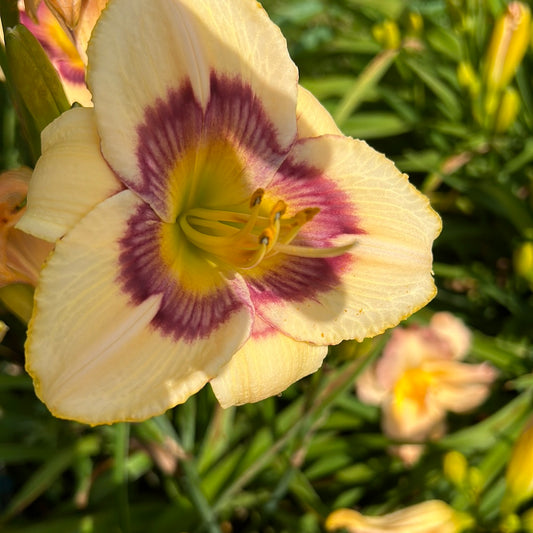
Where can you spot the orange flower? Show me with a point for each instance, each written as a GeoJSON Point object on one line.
{"type": "Point", "coordinates": [21, 255]}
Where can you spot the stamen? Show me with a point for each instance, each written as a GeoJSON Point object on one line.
{"type": "Point", "coordinates": [243, 240]}
{"type": "Point", "coordinates": [260, 253]}
{"type": "Point", "coordinates": [310, 251]}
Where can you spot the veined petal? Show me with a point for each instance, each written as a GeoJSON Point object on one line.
{"type": "Point", "coordinates": [201, 47]}
{"type": "Point", "coordinates": [97, 352]}
{"type": "Point", "coordinates": [385, 276]}
{"type": "Point", "coordinates": [312, 117]}
{"type": "Point", "coordinates": [266, 365]}
{"type": "Point", "coordinates": [70, 178]}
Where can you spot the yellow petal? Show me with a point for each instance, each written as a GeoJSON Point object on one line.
{"type": "Point", "coordinates": [140, 51]}
{"type": "Point", "coordinates": [94, 354]}
{"type": "Point", "coordinates": [389, 275]}
{"type": "Point", "coordinates": [312, 117]}
{"type": "Point", "coordinates": [266, 365]}
{"type": "Point", "coordinates": [70, 178]}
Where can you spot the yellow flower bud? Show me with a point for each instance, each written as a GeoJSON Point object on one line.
{"type": "Point", "coordinates": [510, 524]}
{"type": "Point", "coordinates": [416, 23]}
{"type": "Point", "coordinates": [455, 467]}
{"type": "Point", "coordinates": [387, 34]}
{"type": "Point", "coordinates": [527, 521]}
{"type": "Point", "coordinates": [508, 110]}
{"type": "Point", "coordinates": [523, 260]}
{"type": "Point", "coordinates": [475, 481]}
{"type": "Point", "coordinates": [508, 45]}
{"type": "Point", "coordinates": [519, 475]}
{"type": "Point", "coordinates": [468, 78]}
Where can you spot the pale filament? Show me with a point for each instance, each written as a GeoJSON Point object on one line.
{"type": "Point", "coordinates": [243, 240]}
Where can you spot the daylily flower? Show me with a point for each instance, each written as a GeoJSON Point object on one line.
{"type": "Point", "coordinates": [64, 34]}
{"type": "Point", "coordinates": [420, 377]}
{"type": "Point", "coordinates": [21, 255]}
{"type": "Point", "coordinates": [211, 222]}
{"type": "Point", "coordinates": [432, 516]}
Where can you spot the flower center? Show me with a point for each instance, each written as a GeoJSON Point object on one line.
{"type": "Point", "coordinates": [414, 386]}
{"type": "Point", "coordinates": [243, 240]}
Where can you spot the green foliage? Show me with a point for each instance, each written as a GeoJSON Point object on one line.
{"type": "Point", "coordinates": [284, 464]}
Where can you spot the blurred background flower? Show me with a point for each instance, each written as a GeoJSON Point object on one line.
{"type": "Point", "coordinates": [21, 255]}
{"type": "Point", "coordinates": [419, 378]}
{"type": "Point", "coordinates": [431, 516]}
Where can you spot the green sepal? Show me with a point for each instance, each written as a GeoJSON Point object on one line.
{"type": "Point", "coordinates": [34, 77]}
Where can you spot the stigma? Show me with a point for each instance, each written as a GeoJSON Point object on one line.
{"type": "Point", "coordinates": [243, 240]}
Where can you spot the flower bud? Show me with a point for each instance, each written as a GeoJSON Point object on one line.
{"type": "Point", "coordinates": [523, 261]}
{"type": "Point", "coordinates": [508, 110]}
{"type": "Point", "coordinates": [508, 45]}
{"type": "Point", "coordinates": [455, 467]}
{"type": "Point", "coordinates": [467, 78]}
{"type": "Point", "coordinates": [387, 34]}
{"type": "Point", "coordinates": [519, 475]}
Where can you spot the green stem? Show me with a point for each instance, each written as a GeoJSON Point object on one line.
{"type": "Point", "coordinates": [323, 399]}
{"type": "Point", "coordinates": [120, 474]}
{"type": "Point", "coordinates": [191, 478]}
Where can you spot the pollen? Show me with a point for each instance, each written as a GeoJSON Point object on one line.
{"type": "Point", "coordinates": [243, 240]}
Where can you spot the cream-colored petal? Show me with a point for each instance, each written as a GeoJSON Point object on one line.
{"type": "Point", "coordinates": [70, 178]}
{"type": "Point", "coordinates": [95, 355]}
{"type": "Point", "coordinates": [141, 50]}
{"type": "Point", "coordinates": [388, 272]}
{"type": "Point", "coordinates": [312, 117]}
{"type": "Point", "coordinates": [89, 14]}
{"type": "Point", "coordinates": [266, 365]}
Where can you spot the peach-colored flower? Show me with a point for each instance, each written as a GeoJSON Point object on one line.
{"type": "Point", "coordinates": [420, 377]}
{"type": "Point", "coordinates": [433, 516]}
{"type": "Point", "coordinates": [21, 255]}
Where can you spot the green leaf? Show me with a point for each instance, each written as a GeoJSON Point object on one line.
{"type": "Point", "coordinates": [35, 81]}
